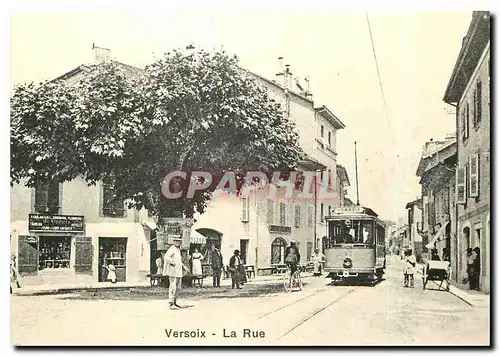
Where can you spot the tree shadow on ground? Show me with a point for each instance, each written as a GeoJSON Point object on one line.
{"type": "Point", "coordinates": [191, 293]}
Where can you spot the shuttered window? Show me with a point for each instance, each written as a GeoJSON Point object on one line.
{"type": "Point", "coordinates": [310, 216]}
{"type": "Point", "coordinates": [112, 206]}
{"type": "Point", "coordinates": [322, 212]}
{"type": "Point", "coordinates": [477, 104]}
{"type": "Point", "coordinates": [297, 215]}
{"type": "Point", "coordinates": [461, 188]}
{"type": "Point", "coordinates": [474, 176]}
{"type": "Point", "coordinates": [47, 198]}
{"type": "Point", "coordinates": [245, 205]}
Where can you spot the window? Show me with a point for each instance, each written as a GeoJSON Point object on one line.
{"type": "Point", "coordinates": [310, 215]}
{"type": "Point", "coordinates": [461, 185]}
{"type": "Point", "coordinates": [322, 131]}
{"type": "Point", "coordinates": [282, 214]}
{"type": "Point", "coordinates": [112, 206]}
{"type": "Point", "coordinates": [270, 211]}
{"type": "Point", "coordinates": [322, 212]}
{"type": "Point", "coordinates": [278, 251]}
{"type": "Point", "coordinates": [467, 120]}
{"type": "Point", "coordinates": [329, 138]}
{"type": "Point", "coordinates": [54, 252]}
{"type": "Point", "coordinates": [351, 231]}
{"type": "Point", "coordinates": [297, 215]}
{"type": "Point", "coordinates": [477, 104]}
{"type": "Point", "coordinates": [474, 176]}
{"type": "Point", "coordinates": [245, 206]}
{"type": "Point", "coordinates": [466, 235]}
{"type": "Point", "coordinates": [47, 198]}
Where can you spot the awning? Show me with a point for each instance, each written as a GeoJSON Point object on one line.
{"type": "Point", "coordinates": [151, 224]}
{"type": "Point", "coordinates": [197, 238]}
{"type": "Point", "coordinates": [438, 237]}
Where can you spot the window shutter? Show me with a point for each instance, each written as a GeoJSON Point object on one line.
{"type": "Point", "coordinates": [461, 192]}
{"type": "Point", "coordinates": [282, 214]}
{"type": "Point", "coordinates": [467, 118]}
{"type": "Point", "coordinates": [83, 254]}
{"type": "Point", "coordinates": [479, 109]}
{"type": "Point", "coordinates": [41, 198]}
{"type": "Point", "coordinates": [270, 211]}
{"type": "Point", "coordinates": [277, 213]}
{"type": "Point", "coordinates": [462, 124]}
{"type": "Point", "coordinates": [53, 197]}
{"type": "Point", "coordinates": [28, 254]}
{"type": "Point", "coordinates": [310, 214]}
{"type": "Point", "coordinates": [244, 209]}
{"type": "Point", "coordinates": [474, 176]}
{"type": "Point", "coordinates": [297, 215]}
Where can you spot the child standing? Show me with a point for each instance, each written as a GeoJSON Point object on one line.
{"type": "Point", "coordinates": [410, 264]}
{"type": "Point", "coordinates": [111, 273]}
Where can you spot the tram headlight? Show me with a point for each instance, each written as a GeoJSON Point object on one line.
{"type": "Point", "coordinates": [347, 262]}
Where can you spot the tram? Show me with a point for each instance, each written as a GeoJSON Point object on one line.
{"type": "Point", "coordinates": [354, 246]}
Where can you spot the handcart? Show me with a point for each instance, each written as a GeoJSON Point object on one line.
{"type": "Point", "coordinates": [437, 271]}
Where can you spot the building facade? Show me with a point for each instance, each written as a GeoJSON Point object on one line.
{"type": "Point", "coordinates": [68, 232]}
{"type": "Point", "coordinates": [260, 227]}
{"type": "Point", "coordinates": [415, 215]}
{"type": "Point", "coordinates": [468, 91]}
{"type": "Point", "coordinates": [436, 170]}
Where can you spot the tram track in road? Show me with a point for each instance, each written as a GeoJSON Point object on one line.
{"type": "Point", "coordinates": [315, 293]}
{"type": "Point", "coordinates": [317, 311]}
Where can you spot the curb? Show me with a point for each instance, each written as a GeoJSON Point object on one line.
{"type": "Point", "coordinates": [68, 290]}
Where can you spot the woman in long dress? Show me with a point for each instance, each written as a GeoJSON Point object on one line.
{"type": "Point", "coordinates": [196, 259]}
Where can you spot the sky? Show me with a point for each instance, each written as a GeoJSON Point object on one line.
{"type": "Point", "coordinates": [416, 54]}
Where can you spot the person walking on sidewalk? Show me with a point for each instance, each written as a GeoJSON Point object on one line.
{"type": "Point", "coordinates": [173, 268]}
{"type": "Point", "coordinates": [234, 268]}
{"type": "Point", "coordinates": [471, 275]}
{"type": "Point", "coordinates": [217, 266]}
{"type": "Point", "coordinates": [14, 273]}
{"type": "Point", "coordinates": [410, 262]}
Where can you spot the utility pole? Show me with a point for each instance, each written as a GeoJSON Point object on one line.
{"type": "Point", "coordinates": [356, 164]}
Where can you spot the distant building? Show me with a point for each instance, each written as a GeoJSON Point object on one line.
{"type": "Point", "coordinates": [415, 215]}
{"type": "Point", "coordinates": [468, 91]}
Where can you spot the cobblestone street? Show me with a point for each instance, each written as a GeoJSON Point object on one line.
{"type": "Point", "coordinates": [385, 314]}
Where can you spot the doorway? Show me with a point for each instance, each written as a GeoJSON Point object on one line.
{"type": "Point", "coordinates": [244, 250]}
{"type": "Point", "coordinates": [113, 251]}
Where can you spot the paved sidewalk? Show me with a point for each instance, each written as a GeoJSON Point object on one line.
{"type": "Point", "coordinates": [473, 298]}
{"type": "Point", "coordinates": [45, 289]}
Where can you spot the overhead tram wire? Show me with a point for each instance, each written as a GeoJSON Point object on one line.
{"type": "Point", "coordinates": [380, 84]}
{"type": "Point", "coordinates": [383, 93]}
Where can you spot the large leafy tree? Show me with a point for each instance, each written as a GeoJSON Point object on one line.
{"type": "Point", "coordinates": [191, 110]}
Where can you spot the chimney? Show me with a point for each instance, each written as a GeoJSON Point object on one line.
{"type": "Point", "coordinates": [101, 54]}
{"type": "Point", "coordinates": [308, 87]}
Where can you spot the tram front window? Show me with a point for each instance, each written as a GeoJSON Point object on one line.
{"type": "Point", "coordinates": [351, 232]}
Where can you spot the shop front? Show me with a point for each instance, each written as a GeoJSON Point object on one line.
{"type": "Point", "coordinates": [53, 249]}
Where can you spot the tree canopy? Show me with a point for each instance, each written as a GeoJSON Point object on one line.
{"type": "Point", "coordinates": [190, 110]}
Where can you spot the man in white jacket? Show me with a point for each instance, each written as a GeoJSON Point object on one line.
{"type": "Point", "coordinates": [173, 268]}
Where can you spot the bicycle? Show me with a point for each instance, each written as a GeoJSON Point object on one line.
{"type": "Point", "coordinates": [290, 280]}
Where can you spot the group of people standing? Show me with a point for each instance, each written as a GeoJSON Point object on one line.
{"type": "Point", "coordinates": [170, 265]}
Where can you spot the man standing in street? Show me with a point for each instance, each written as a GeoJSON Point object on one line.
{"type": "Point", "coordinates": [173, 268]}
{"type": "Point", "coordinates": [217, 266]}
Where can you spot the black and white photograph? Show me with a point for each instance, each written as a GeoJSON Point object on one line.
{"type": "Point", "coordinates": [215, 176]}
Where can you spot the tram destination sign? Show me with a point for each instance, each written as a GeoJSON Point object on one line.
{"type": "Point", "coordinates": [46, 222]}
{"type": "Point", "coordinates": [349, 210]}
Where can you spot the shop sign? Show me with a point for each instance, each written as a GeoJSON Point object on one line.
{"type": "Point", "coordinates": [63, 223]}
{"type": "Point", "coordinates": [280, 229]}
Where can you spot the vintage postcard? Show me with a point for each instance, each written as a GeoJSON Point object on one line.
{"type": "Point", "coordinates": [223, 177]}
